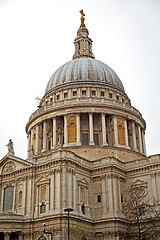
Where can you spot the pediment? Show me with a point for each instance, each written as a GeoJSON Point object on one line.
{"type": "Point", "coordinates": [139, 183]}
{"type": "Point", "coordinates": [10, 164]}
{"type": "Point", "coordinates": [83, 182]}
{"type": "Point", "coordinates": [43, 180]}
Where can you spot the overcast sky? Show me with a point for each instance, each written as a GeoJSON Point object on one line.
{"type": "Point", "coordinates": [36, 37]}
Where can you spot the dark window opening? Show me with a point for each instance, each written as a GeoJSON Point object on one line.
{"type": "Point", "coordinates": [107, 138]}
{"type": "Point", "coordinates": [99, 198]}
{"type": "Point", "coordinates": [83, 208]}
{"type": "Point", "coordinates": [74, 93]}
{"type": "Point", "coordinates": [79, 45]}
{"type": "Point", "coordinates": [83, 92]}
{"type": "Point", "coordinates": [65, 95]}
{"type": "Point", "coordinates": [49, 145]}
{"type": "Point", "coordinates": [58, 97]}
{"type": "Point", "coordinates": [117, 98]}
{"type": "Point", "coordinates": [85, 139]}
{"type": "Point", "coordinates": [93, 93]}
{"type": "Point", "coordinates": [102, 94]}
{"type": "Point", "coordinates": [121, 199]}
{"type": "Point", "coordinates": [123, 100]}
{"type": "Point", "coordinates": [110, 95]}
{"type": "Point", "coordinates": [43, 208]}
{"type": "Point", "coordinates": [8, 198]}
{"type": "Point", "coordinates": [96, 141]}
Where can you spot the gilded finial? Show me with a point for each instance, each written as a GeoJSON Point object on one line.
{"type": "Point", "coordinates": [82, 18]}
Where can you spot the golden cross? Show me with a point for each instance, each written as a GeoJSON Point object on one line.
{"type": "Point", "coordinates": [82, 18]}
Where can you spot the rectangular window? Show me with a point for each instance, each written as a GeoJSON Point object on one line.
{"type": "Point", "coordinates": [65, 95]}
{"type": "Point", "coordinates": [83, 92]}
{"type": "Point", "coordinates": [96, 139]}
{"type": "Point", "coordinates": [49, 145]}
{"type": "Point", "coordinates": [102, 94]}
{"type": "Point", "coordinates": [58, 97]}
{"type": "Point", "coordinates": [8, 198]}
{"type": "Point", "coordinates": [74, 93]}
{"type": "Point", "coordinates": [117, 98]}
{"type": "Point", "coordinates": [85, 139]}
{"type": "Point", "coordinates": [99, 198]}
{"type": "Point", "coordinates": [93, 93]}
{"type": "Point", "coordinates": [110, 95]}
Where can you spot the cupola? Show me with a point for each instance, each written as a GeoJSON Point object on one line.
{"type": "Point", "coordinates": [83, 44]}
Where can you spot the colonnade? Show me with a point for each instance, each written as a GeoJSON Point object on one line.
{"type": "Point", "coordinates": [132, 133]}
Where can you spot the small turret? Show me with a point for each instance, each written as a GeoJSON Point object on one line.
{"type": "Point", "coordinates": [83, 44]}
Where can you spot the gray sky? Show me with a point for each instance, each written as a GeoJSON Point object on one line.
{"type": "Point", "coordinates": [36, 37]}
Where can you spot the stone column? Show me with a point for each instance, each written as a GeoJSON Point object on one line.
{"type": "Point", "coordinates": [91, 140]}
{"type": "Point", "coordinates": [21, 236]}
{"type": "Point", "coordinates": [115, 131]}
{"type": "Point", "coordinates": [65, 131]}
{"type": "Point", "coordinates": [7, 235]}
{"type": "Point", "coordinates": [140, 138]}
{"type": "Point", "coordinates": [144, 143]}
{"type": "Point", "coordinates": [78, 130]}
{"type": "Point", "coordinates": [104, 130]}
{"type": "Point", "coordinates": [44, 136]}
{"type": "Point", "coordinates": [54, 133]}
{"type": "Point", "coordinates": [37, 139]}
{"type": "Point", "coordinates": [29, 144]}
{"type": "Point", "coordinates": [134, 137]}
{"type": "Point", "coordinates": [31, 138]}
{"type": "Point", "coordinates": [126, 133]}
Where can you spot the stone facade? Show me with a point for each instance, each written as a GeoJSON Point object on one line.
{"type": "Point", "coordinates": [86, 144]}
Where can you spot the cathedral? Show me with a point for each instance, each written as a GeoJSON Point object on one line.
{"type": "Point", "coordinates": [86, 144]}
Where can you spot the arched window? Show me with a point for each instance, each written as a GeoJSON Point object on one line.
{"type": "Point", "coordinates": [43, 208]}
{"type": "Point", "coordinates": [8, 198]}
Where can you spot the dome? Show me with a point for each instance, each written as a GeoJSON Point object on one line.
{"type": "Point", "coordinates": [84, 70]}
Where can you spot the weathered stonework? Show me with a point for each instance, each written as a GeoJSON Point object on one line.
{"type": "Point", "coordinates": [86, 145]}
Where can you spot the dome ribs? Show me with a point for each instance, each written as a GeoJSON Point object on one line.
{"type": "Point", "coordinates": [86, 70]}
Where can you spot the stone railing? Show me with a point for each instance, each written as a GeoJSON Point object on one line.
{"type": "Point", "coordinates": [84, 101]}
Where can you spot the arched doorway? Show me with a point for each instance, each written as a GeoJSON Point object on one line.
{"type": "Point", "coordinates": [42, 238]}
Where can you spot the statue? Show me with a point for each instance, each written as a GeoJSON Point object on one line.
{"type": "Point", "coordinates": [82, 18]}
{"type": "Point", "coordinates": [10, 147]}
